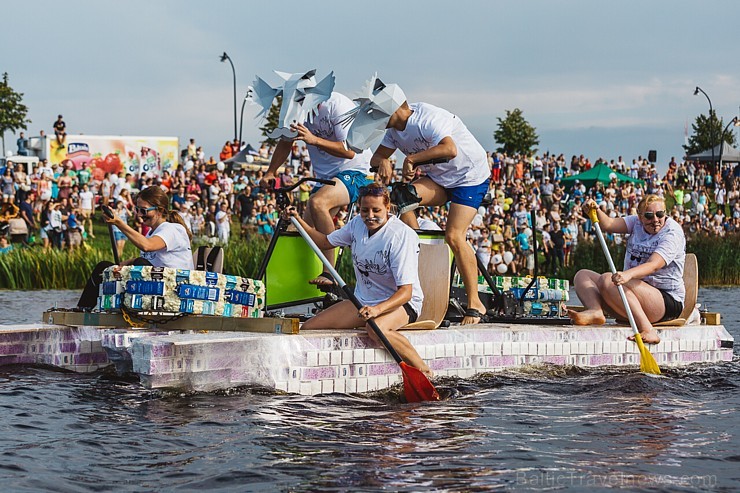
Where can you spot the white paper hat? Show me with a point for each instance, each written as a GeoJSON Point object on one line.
{"type": "Point", "coordinates": [376, 103]}
{"type": "Point", "coordinates": [301, 97]}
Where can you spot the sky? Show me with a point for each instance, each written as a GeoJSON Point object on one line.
{"type": "Point", "coordinates": [593, 77]}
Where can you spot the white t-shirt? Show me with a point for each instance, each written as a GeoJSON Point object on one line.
{"type": "Point", "coordinates": [427, 224]}
{"type": "Point", "coordinates": [176, 253]}
{"type": "Point", "coordinates": [326, 124]}
{"type": "Point", "coordinates": [669, 243]}
{"type": "Point", "coordinates": [86, 200]}
{"type": "Point", "coordinates": [222, 225]}
{"type": "Point", "coordinates": [387, 259]}
{"type": "Point", "coordinates": [426, 127]}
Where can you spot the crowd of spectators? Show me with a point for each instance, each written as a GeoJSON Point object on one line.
{"type": "Point", "coordinates": [58, 203]}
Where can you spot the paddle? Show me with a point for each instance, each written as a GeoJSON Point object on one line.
{"type": "Point", "coordinates": [647, 362]}
{"type": "Point", "coordinates": [416, 385]}
{"type": "Point", "coordinates": [107, 212]}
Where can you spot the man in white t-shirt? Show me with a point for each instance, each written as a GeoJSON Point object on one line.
{"type": "Point", "coordinates": [324, 137]}
{"type": "Point", "coordinates": [86, 209]}
{"type": "Point", "coordinates": [223, 225]}
{"type": "Point", "coordinates": [428, 134]}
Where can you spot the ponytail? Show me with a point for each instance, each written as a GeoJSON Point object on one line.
{"type": "Point", "coordinates": [175, 217]}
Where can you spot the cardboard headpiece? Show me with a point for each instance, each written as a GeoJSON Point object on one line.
{"type": "Point", "coordinates": [301, 97]}
{"type": "Point", "coordinates": [375, 105]}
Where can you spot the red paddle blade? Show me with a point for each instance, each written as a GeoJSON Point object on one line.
{"type": "Point", "coordinates": [416, 385]}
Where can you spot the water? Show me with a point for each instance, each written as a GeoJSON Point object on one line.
{"type": "Point", "coordinates": [536, 430]}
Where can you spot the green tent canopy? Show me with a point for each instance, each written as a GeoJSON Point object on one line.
{"type": "Point", "coordinates": [601, 172]}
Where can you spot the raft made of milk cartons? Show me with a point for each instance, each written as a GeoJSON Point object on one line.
{"type": "Point", "coordinates": [217, 338]}
{"type": "Point", "coordinates": [280, 356]}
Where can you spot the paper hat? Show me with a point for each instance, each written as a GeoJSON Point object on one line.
{"type": "Point", "coordinates": [301, 97]}
{"type": "Point", "coordinates": [375, 105]}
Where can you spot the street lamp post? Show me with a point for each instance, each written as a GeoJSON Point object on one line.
{"type": "Point", "coordinates": [241, 118]}
{"type": "Point", "coordinates": [225, 57]}
{"type": "Point", "coordinates": [736, 122]}
{"type": "Point", "coordinates": [711, 111]}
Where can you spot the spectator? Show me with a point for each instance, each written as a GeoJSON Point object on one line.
{"type": "Point", "coordinates": [22, 144]}
{"type": "Point", "coordinates": [60, 131]}
{"type": "Point", "coordinates": [223, 223]}
{"type": "Point", "coordinates": [73, 231]}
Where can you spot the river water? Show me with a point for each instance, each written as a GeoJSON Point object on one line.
{"type": "Point", "coordinates": [559, 430]}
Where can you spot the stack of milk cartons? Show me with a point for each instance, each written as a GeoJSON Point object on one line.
{"type": "Point", "coordinates": [162, 289]}
{"type": "Point", "coordinates": [546, 297]}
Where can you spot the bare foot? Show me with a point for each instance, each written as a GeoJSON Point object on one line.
{"type": "Point", "coordinates": [587, 317]}
{"type": "Point", "coordinates": [473, 316]}
{"type": "Point", "coordinates": [648, 337]}
{"type": "Point", "coordinates": [322, 280]}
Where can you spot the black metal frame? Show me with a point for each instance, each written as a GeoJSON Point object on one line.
{"type": "Point", "coordinates": [282, 199]}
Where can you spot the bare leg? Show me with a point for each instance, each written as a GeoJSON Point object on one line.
{"type": "Point", "coordinates": [320, 214]}
{"type": "Point", "coordinates": [645, 301]}
{"type": "Point", "coordinates": [389, 323]}
{"type": "Point", "coordinates": [458, 220]}
{"type": "Point", "coordinates": [119, 246]}
{"type": "Point", "coordinates": [587, 288]}
{"type": "Point", "coordinates": [344, 315]}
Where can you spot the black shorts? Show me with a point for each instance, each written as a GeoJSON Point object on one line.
{"type": "Point", "coordinates": [411, 313]}
{"type": "Point", "coordinates": [673, 308]}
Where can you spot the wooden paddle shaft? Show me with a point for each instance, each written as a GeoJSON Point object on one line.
{"type": "Point", "coordinates": [347, 290]}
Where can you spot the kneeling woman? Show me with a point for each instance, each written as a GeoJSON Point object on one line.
{"type": "Point", "coordinates": [385, 254]}
{"type": "Point", "coordinates": [166, 245]}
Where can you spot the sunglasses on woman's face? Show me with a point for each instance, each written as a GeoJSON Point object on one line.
{"type": "Point", "coordinates": [144, 210]}
{"type": "Point", "coordinates": [650, 215]}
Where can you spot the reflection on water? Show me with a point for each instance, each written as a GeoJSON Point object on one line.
{"type": "Point", "coordinates": [544, 428]}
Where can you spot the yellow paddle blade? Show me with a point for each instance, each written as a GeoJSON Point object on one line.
{"type": "Point", "coordinates": [647, 362]}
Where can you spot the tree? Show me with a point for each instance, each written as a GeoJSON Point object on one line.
{"type": "Point", "coordinates": [12, 110]}
{"type": "Point", "coordinates": [706, 134]}
{"type": "Point", "coordinates": [515, 135]}
{"type": "Point", "coordinates": [271, 120]}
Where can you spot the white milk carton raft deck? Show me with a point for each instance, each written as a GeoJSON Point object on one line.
{"type": "Point", "coordinates": [316, 362]}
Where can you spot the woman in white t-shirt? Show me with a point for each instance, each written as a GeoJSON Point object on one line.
{"type": "Point", "coordinates": [166, 245]}
{"type": "Point", "coordinates": [385, 254]}
{"type": "Point", "coordinates": [652, 277]}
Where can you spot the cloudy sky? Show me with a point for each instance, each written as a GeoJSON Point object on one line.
{"type": "Point", "coordinates": [594, 77]}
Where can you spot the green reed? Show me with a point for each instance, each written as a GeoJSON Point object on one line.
{"type": "Point", "coordinates": [719, 262]}
{"type": "Point", "coordinates": [38, 268]}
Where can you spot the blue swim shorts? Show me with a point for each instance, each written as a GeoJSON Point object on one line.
{"type": "Point", "coordinates": [472, 195]}
{"type": "Point", "coordinates": [352, 181]}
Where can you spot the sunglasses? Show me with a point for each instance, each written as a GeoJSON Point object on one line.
{"type": "Point", "coordinates": [650, 215]}
{"type": "Point", "coordinates": [372, 191]}
{"type": "Point", "coordinates": [144, 210]}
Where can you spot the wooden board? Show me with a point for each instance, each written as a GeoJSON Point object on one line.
{"type": "Point", "coordinates": [691, 282]}
{"type": "Point", "coordinates": [434, 274]}
{"type": "Point", "coordinates": [188, 322]}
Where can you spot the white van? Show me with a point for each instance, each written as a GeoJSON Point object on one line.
{"type": "Point", "coordinates": [29, 161]}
